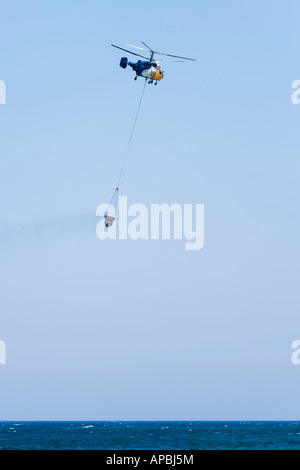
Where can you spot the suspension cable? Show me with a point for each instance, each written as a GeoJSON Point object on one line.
{"type": "Point", "coordinates": [129, 142]}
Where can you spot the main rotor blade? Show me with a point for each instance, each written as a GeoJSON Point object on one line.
{"type": "Point", "coordinates": [162, 60]}
{"type": "Point", "coordinates": [136, 47]}
{"type": "Point", "coordinates": [147, 46]}
{"type": "Point", "coordinates": [130, 52]}
{"type": "Point", "coordinates": [171, 55]}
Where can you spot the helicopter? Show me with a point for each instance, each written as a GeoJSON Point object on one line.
{"type": "Point", "coordinates": [149, 68]}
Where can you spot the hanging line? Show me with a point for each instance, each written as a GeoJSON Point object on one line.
{"type": "Point", "coordinates": [113, 202]}
{"type": "Point", "coordinates": [126, 153]}
{"type": "Point", "coordinates": [114, 199]}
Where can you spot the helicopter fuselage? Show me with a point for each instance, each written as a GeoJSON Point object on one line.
{"type": "Point", "coordinates": [142, 68]}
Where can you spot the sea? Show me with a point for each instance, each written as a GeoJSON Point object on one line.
{"type": "Point", "coordinates": [150, 435]}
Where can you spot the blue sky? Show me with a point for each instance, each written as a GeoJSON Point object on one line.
{"type": "Point", "coordinates": [126, 329]}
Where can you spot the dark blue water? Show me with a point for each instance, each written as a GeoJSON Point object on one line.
{"type": "Point", "coordinates": [151, 435]}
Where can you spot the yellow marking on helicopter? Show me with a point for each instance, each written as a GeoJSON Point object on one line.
{"type": "Point", "coordinates": [157, 75]}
